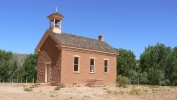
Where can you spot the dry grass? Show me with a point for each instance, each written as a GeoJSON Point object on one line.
{"type": "Point", "coordinates": [133, 92]}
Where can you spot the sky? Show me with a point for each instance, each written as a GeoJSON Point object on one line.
{"type": "Point", "coordinates": [127, 24]}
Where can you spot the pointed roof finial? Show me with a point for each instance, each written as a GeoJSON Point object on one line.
{"type": "Point", "coordinates": [56, 9]}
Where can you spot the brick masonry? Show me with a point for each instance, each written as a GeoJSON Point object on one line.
{"type": "Point", "coordinates": [62, 65]}
{"type": "Point", "coordinates": [67, 66]}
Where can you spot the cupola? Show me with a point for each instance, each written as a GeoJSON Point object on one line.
{"type": "Point", "coordinates": [55, 20]}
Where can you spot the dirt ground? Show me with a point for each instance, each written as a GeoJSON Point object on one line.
{"type": "Point", "coordinates": [14, 91]}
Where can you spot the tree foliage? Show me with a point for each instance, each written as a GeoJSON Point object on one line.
{"type": "Point", "coordinates": [157, 65]}
{"type": "Point", "coordinates": [126, 63]}
{"type": "Point", "coordinates": [156, 62]}
{"type": "Point", "coordinates": [14, 65]}
{"type": "Point", "coordinates": [173, 66]}
{"type": "Point", "coordinates": [29, 69]}
{"type": "Point", "coordinates": [4, 64]}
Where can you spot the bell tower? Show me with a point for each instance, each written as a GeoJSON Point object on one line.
{"type": "Point", "coordinates": [55, 20]}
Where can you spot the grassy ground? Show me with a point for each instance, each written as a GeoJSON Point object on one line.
{"type": "Point", "coordinates": [11, 91]}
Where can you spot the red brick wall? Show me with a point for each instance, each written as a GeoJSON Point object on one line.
{"type": "Point", "coordinates": [68, 76]}
{"type": "Point", "coordinates": [49, 53]}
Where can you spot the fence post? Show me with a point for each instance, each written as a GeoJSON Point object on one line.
{"type": "Point", "coordinates": [21, 80]}
{"type": "Point", "coordinates": [17, 80]}
{"type": "Point", "coordinates": [138, 80]}
{"type": "Point", "coordinates": [12, 80]}
{"type": "Point", "coordinates": [33, 80]}
{"type": "Point", "coordinates": [3, 80]}
{"type": "Point", "coordinates": [26, 80]}
{"type": "Point", "coordinates": [130, 80]}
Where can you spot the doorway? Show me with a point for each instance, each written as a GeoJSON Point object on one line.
{"type": "Point", "coordinates": [47, 71]}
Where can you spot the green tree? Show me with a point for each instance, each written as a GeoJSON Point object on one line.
{"type": "Point", "coordinates": [155, 62]}
{"type": "Point", "coordinates": [4, 64]}
{"type": "Point", "coordinates": [126, 63]}
{"type": "Point", "coordinates": [173, 71]}
{"type": "Point", "coordinates": [29, 68]}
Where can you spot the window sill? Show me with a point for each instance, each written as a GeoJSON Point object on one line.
{"type": "Point", "coordinates": [76, 72]}
{"type": "Point", "coordinates": [92, 73]}
{"type": "Point", "coordinates": [106, 73]}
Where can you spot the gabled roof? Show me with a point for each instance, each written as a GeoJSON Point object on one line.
{"type": "Point", "coordinates": [82, 42]}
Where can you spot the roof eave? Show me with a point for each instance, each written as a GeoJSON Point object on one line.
{"type": "Point", "coordinates": [62, 46]}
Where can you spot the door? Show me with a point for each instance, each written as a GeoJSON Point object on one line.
{"type": "Point", "coordinates": [47, 72]}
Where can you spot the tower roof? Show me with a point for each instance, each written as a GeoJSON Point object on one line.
{"type": "Point", "coordinates": [55, 15]}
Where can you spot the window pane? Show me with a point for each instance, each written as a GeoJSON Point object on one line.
{"type": "Point", "coordinates": [91, 68]}
{"type": "Point", "coordinates": [105, 69]}
{"type": "Point", "coordinates": [76, 60]}
{"type": "Point", "coordinates": [91, 61]}
{"type": "Point", "coordinates": [105, 62]}
{"type": "Point", "coordinates": [75, 67]}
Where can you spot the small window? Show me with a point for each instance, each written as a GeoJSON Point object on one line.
{"type": "Point", "coordinates": [106, 66]}
{"type": "Point", "coordinates": [92, 65]}
{"type": "Point", "coordinates": [76, 64]}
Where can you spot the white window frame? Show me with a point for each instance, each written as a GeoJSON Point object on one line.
{"type": "Point", "coordinates": [107, 65]}
{"type": "Point", "coordinates": [93, 65]}
{"type": "Point", "coordinates": [78, 64]}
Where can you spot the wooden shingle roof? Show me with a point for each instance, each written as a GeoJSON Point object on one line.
{"type": "Point", "coordinates": [82, 42]}
{"type": "Point", "coordinates": [56, 14]}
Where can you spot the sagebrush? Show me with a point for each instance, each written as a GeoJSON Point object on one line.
{"type": "Point", "coordinates": [122, 81]}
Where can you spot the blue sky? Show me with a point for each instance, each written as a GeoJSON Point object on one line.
{"type": "Point", "coordinates": [128, 24]}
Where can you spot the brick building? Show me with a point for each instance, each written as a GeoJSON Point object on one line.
{"type": "Point", "coordinates": [66, 58]}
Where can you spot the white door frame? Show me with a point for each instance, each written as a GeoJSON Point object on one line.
{"type": "Point", "coordinates": [46, 70]}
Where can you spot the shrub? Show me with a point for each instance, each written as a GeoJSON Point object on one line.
{"type": "Point", "coordinates": [57, 88]}
{"type": "Point", "coordinates": [28, 89]}
{"type": "Point", "coordinates": [62, 85]}
{"type": "Point", "coordinates": [122, 81]}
